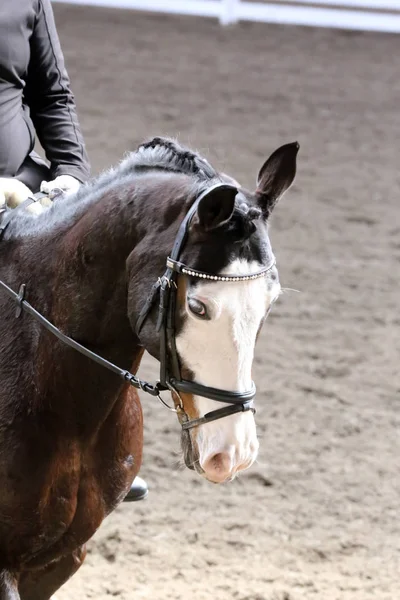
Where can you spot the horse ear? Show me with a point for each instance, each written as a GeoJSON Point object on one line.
{"type": "Point", "coordinates": [276, 176]}
{"type": "Point", "coordinates": [216, 207]}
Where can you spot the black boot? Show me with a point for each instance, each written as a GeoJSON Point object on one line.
{"type": "Point", "coordinates": [138, 491]}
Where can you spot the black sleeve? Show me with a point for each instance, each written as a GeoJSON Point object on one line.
{"type": "Point", "coordinates": [51, 102]}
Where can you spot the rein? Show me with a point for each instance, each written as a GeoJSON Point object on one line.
{"type": "Point", "coordinates": [170, 372]}
{"type": "Point", "coordinates": [23, 305]}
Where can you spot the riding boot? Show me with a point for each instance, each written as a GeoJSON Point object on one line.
{"type": "Point", "coordinates": [138, 491]}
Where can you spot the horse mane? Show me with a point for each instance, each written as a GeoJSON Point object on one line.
{"type": "Point", "coordinates": [157, 154]}
{"type": "Point", "coordinates": [168, 155]}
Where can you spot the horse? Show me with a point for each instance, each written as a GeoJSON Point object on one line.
{"type": "Point", "coordinates": [161, 253]}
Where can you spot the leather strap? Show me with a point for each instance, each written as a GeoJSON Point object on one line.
{"type": "Point", "coordinates": [22, 304]}
{"type": "Point", "coordinates": [217, 414]}
{"type": "Point", "coordinates": [181, 268]}
{"type": "Point", "coordinates": [191, 387]}
{"type": "Point", "coordinates": [147, 307]}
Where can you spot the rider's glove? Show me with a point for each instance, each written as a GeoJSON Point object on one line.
{"type": "Point", "coordinates": [65, 184]}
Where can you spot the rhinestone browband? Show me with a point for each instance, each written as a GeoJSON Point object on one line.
{"type": "Point", "coordinates": [182, 268]}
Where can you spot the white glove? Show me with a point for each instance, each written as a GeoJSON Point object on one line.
{"type": "Point", "coordinates": [65, 183]}
{"type": "Point", "coordinates": [14, 192]}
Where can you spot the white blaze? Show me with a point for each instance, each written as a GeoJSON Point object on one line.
{"type": "Point", "coordinates": [219, 352]}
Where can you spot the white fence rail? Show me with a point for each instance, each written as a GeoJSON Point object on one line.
{"type": "Point", "coordinates": [370, 15]}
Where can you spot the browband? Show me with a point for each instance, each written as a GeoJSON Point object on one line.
{"type": "Point", "coordinates": [183, 269]}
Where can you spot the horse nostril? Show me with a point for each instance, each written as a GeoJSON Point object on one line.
{"type": "Point", "coordinates": [218, 467]}
{"type": "Point", "coordinates": [218, 461]}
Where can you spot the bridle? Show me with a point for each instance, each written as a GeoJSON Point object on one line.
{"type": "Point", "coordinates": [170, 371]}
{"type": "Point", "coordinates": [166, 288]}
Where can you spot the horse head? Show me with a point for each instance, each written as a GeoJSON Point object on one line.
{"type": "Point", "coordinates": [222, 285]}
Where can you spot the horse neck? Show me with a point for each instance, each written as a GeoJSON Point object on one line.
{"type": "Point", "coordinates": [91, 265]}
{"type": "Point", "coordinates": [92, 262]}
{"type": "Point", "coordinates": [89, 303]}
{"type": "Point", "coordinates": [90, 285]}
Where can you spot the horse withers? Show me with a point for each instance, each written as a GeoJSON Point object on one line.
{"type": "Point", "coordinates": [163, 254]}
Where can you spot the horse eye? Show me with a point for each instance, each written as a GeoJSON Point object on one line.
{"type": "Point", "coordinates": [198, 308]}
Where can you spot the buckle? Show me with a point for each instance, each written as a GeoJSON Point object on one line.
{"type": "Point", "coordinates": [19, 300]}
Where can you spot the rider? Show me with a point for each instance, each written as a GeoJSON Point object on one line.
{"type": "Point", "coordinates": [35, 98]}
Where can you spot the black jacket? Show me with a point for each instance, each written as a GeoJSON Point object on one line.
{"type": "Point", "coordinates": [35, 93]}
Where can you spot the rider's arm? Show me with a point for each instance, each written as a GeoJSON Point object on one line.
{"type": "Point", "coordinates": [51, 102]}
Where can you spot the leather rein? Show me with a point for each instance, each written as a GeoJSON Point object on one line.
{"type": "Point", "coordinates": [166, 288]}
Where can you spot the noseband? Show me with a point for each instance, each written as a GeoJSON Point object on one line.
{"type": "Point", "coordinates": [170, 372]}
